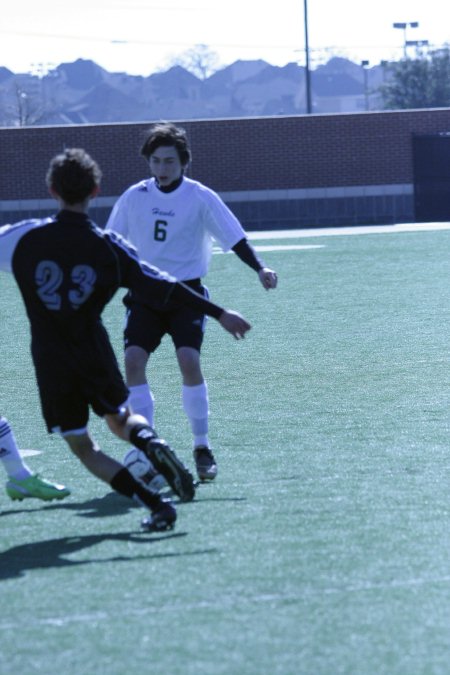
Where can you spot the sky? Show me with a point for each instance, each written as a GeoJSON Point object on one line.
{"type": "Point", "coordinates": [141, 37]}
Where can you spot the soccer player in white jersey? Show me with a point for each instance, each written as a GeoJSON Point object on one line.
{"type": "Point", "coordinates": [67, 270]}
{"type": "Point", "coordinates": [172, 221]}
{"type": "Point", "coordinates": [22, 482]}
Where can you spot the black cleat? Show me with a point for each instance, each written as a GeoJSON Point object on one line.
{"type": "Point", "coordinates": [167, 463]}
{"type": "Point", "coordinates": [205, 463]}
{"type": "Point", "coordinates": [163, 518]}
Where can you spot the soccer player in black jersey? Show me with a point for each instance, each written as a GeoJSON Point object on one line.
{"type": "Point", "coordinates": [67, 270]}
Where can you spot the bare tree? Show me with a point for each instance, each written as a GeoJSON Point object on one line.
{"type": "Point", "coordinates": [27, 109]}
{"type": "Point", "coordinates": [200, 60]}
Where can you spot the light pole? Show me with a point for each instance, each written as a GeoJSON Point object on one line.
{"type": "Point", "coordinates": [307, 68]}
{"type": "Point", "coordinates": [364, 65]}
{"type": "Point", "coordinates": [403, 25]}
{"type": "Point", "coordinates": [417, 43]}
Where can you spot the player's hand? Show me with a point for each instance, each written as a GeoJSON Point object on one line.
{"type": "Point", "coordinates": [268, 278]}
{"type": "Point", "coordinates": [234, 323]}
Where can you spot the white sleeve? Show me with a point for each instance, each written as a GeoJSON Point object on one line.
{"type": "Point", "coordinates": [118, 218]}
{"type": "Point", "coordinates": [221, 223]}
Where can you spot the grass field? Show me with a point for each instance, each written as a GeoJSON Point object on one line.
{"type": "Point", "coordinates": [324, 545]}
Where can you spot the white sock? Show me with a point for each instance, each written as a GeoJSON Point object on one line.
{"type": "Point", "coordinates": [196, 407]}
{"type": "Point", "coordinates": [141, 401]}
{"type": "Point", "coordinates": [10, 457]}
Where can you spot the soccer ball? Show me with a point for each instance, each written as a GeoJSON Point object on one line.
{"type": "Point", "coordinates": [138, 464]}
{"type": "Point", "coordinates": [143, 470]}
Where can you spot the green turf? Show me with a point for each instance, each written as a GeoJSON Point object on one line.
{"type": "Point", "coordinates": [323, 547]}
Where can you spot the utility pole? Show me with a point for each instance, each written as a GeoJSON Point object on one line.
{"type": "Point", "coordinates": [364, 65]}
{"type": "Point", "coordinates": [307, 68]}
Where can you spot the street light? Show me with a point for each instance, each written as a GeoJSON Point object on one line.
{"type": "Point", "coordinates": [417, 43]}
{"type": "Point", "coordinates": [403, 25]}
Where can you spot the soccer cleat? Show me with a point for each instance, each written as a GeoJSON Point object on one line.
{"type": "Point", "coordinates": [205, 463]}
{"type": "Point", "coordinates": [163, 518]}
{"type": "Point", "coordinates": [35, 487]}
{"type": "Point", "coordinates": [167, 463]}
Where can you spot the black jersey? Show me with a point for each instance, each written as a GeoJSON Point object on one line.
{"type": "Point", "coordinates": [67, 270]}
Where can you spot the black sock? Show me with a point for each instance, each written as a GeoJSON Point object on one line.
{"type": "Point", "coordinates": [140, 435]}
{"type": "Point", "coordinates": [124, 483]}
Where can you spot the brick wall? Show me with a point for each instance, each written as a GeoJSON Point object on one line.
{"type": "Point", "coordinates": [235, 155]}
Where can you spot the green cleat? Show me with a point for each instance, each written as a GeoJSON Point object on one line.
{"type": "Point", "coordinates": [35, 487]}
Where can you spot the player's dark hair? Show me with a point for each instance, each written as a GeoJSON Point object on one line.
{"type": "Point", "coordinates": [73, 175]}
{"type": "Point", "coordinates": [168, 135]}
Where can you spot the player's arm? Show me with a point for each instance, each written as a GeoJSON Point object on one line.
{"type": "Point", "coordinates": [118, 218]}
{"type": "Point", "coordinates": [245, 251]}
{"type": "Point", "coordinates": [159, 288]}
{"type": "Point", "coordinates": [226, 229]}
{"type": "Point", "coordinates": [168, 289]}
{"type": "Point", "coordinates": [231, 321]}
{"type": "Point", "coordinates": [10, 235]}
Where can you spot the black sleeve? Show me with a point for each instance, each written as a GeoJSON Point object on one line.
{"type": "Point", "coordinates": [187, 296]}
{"type": "Point", "coordinates": [247, 254]}
{"type": "Point", "coordinates": [149, 285]}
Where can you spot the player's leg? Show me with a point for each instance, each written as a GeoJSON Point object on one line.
{"type": "Point", "coordinates": [141, 398]}
{"type": "Point", "coordinates": [144, 329]}
{"type": "Point", "coordinates": [22, 482]}
{"type": "Point", "coordinates": [196, 406]}
{"type": "Point", "coordinates": [136, 430]}
{"type": "Point", "coordinates": [66, 412]}
{"type": "Point", "coordinates": [187, 331]}
{"type": "Point", "coordinates": [143, 332]}
{"type": "Point", "coordinates": [194, 393]}
{"type": "Point", "coordinates": [10, 456]}
{"type": "Point", "coordinates": [109, 403]}
{"type": "Point", "coordinates": [107, 469]}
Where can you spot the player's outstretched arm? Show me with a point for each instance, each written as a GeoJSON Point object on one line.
{"type": "Point", "coordinates": [231, 321]}
{"type": "Point", "coordinates": [234, 323]}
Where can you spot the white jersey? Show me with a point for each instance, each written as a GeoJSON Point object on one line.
{"type": "Point", "coordinates": [175, 231]}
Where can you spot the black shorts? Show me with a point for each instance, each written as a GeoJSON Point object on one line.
{"type": "Point", "coordinates": [145, 327]}
{"type": "Point", "coordinates": [66, 396]}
